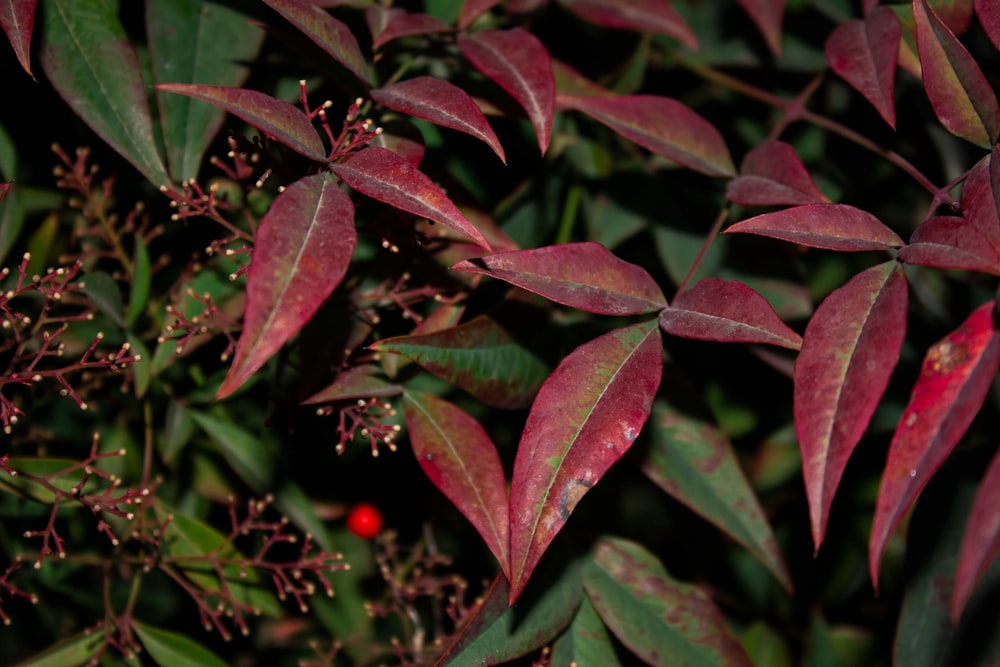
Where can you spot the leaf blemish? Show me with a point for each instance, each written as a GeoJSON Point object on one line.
{"type": "Point", "coordinates": [571, 495]}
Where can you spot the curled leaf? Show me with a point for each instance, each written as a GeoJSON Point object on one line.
{"type": "Point", "coordinates": [773, 175]}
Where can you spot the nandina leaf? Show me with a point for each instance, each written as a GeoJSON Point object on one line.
{"type": "Point", "coordinates": [640, 15]}
{"type": "Point", "coordinates": [988, 12]}
{"type": "Point", "coordinates": [694, 462]}
{"type": "Point", "coordinates": [459, 458]}
{"type": "Point", "coordinates": [401, 23]}
{"type": "Point", "coordinates": [478, 356]}
{"type": "Point", "coordinates": [586, 641]}
{"type": "Point", "coordinates": [960, 94]}
{"type": "Point", "coordinates": [473, 9]}
{"type": "Point", "coordinates": [863, 53]}
{"type": "Point", "coordinates": [402, 138]}
{"type": "Point", "coordinates": [17, 18]}
{"type": "Point", "coordinates": [381, 174]}
{"type": "Point", "coordinates": [831, 226]}
{"type": "Point", "coordinates": [768, 15]}
{"type": "Point", "coordinates": [570, 83]}
{"type": "Point", "coordinates": [582, 275]}
{"type": "Point", "coordinates": [173, 648]}
{"type": "Point", "coordinates": [520, 64]}
{"type": "Point", "coordinates": [956, 375]}
{"type": "Point", "coordinates": [773, 175]}
{"type": "Point", "coordinates": [661, 620]}
{"type": "Point", "coordinates": [586, 416]}
{"type": "Point", "coordinates": [275, 118]}
{"type": "Point", "coordinates": [981, 540]}
{"type": "Point", "coordinates": [662, 125]}
{"type": "Point", "coordinates": [849, 351]}
{"type": "Point", "coordinates": [441, 103]}
{"type": "Point", "coordinates": [956, 14]}
{"type": "Point", "coordinates": [363, 382]}
{"type": "Point", "coordinates": [328, 33]}
{"type": "Point", "coordinates": [303, 247]}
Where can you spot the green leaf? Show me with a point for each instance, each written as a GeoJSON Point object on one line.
{"type": "Point", "coordinates": [245, 452]}
{"type": "Point", "coordinates": [105, 294]}
{"type": "Point", "coordinates": [75, 650]}
{"type": "Point", "coordinates": [142, 369]}
{"type": "Point", "coordinates": [171, 649]}
{"type": "Point", "coordinates": [142, 276]}
{"type": "Point", "coordinates": [586, 641]}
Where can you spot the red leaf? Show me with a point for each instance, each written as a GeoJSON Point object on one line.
{"type": "Point", "coordinates": [275, 118]}
{"type": "Point", "coordinates": [956, 14]}
{"type": "Point", "coordinates": [773, 175]}
{"type": "Point", "coordinates": [17, 18]}
{"type": "Point", "coordinates": [519, 64]}
{"type": "Point", "coordinates": [387, 177]}
{"type": "Point", "coordinates": [767, 14]}
{"type": "Point", "coordinates": [958, 91]}
{"type": "Point", "coordinates": [570, 82]}
{"type": "Point", "coordinates": [459, 458]}
{"type": "Point", "coordinates": [473, 9]}
{"type": "Point", "coordinates": [357, 382]}
{"type": "Point", "coordinates": [831, 226]}
{"type": "Point", "coordinates": [582, 275]}
{"type": "Point", "coordinates": [662, 125]}
{"type": "Point", "coordinates": [403, 139]}
{"type": "Point", "coordinates": [863, 52]}
{"type": "Point", "coordinates": [586, 416]}
{"type": "Point", "coordinates": [303, 247]}
{"type": "Point", "coordinates": [640, 15]}
{"type": "Point", "coordinates": [988, 12]}
{"type": "Point", "coordinates": [981, 541]}
{"type": "Point", "coordinates": [850, 349]}
{"type": "Point", "coordinates": [729, 312]}
{"type": "Point", "coordinates": [401, 23]}
{"type": "Point", "coordinates": [441, 103]}
{"type": "Point", "coordinates": [956, 374]}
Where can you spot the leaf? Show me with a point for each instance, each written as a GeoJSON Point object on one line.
{"type": "Point", "coordinates": [17, 18]}
{"type": "Point", "coordinates": [70, 652]}
{"type": "Point", "coordinates": [473, 9]}
{"type": "Point", "coordinates": [582, 275]}
{"type": "Point", "coordinates": [767, 15]}
{"type": "Point", "coordinates": [174, 649]}
{"type": "Point", "coordinates": [586, 416]}
{"type": "Point", "coordinates": [401, 23]}
{"type": "Point", "coordinates": [518, 62]}
{"type": "Point", "coordinates": [245, 452]}
{"type": "Point", "coordinates": [275, 118]}
{"type": "Point", "coordinates": [981, 540]}
{"type": "Point", "coordinates": [694, 462]}
{"type": "Point", "coordinates": [459, 458]}
{"type": "Point", "coordinates": [142, 276]}
{"type": "Point", "coordinates": [661, 125]}
{"type": "Point", "coordinates": [387, 177]}
{"type": "Point", "coordinates": [586, 641]}
{"type": "Point", "coordinates": [988, 12]}
{"type": "Point", "coordinates": [956, 14]}
{"type": "Point", "coordinates": [830, 226]}
{"type": "Point", "coordinates": [850, 348]}
{"type": "Point", "coordinates": [726, 311]}
{"type": "Point", "coordinates": [478, 356]}
{"type": "Point", "coordinates": [661, 620]}
{"type": "Point", "coordinates": [356, 382]}
{"type": "Point", "coordinates": [863, 53]}
{"type": "Point", "coordinates": [103, 292]}
{"type": "Point", "coordinates": [303, 247]}
{"type": "Point", "coordinates": [960, 94]}
{"type": "Point", "coordinates": [772, 174]}
{"type": "Point", "coordinates": [956, 375]}
{"type": "Point", "coordinates": [640, 15]}
{"type": "Point", "coordinates": [89, 61]}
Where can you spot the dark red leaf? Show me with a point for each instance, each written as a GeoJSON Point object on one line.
{"type": "Point", "coordinates": [850, 349]}
{"type": "Point", "coordinates": [767, 14]}
{"type": "Point", "coordinates": [401, 23]}
{"type": "Point", "coordinates": [473, 9]}
{"type": "Point", "coordinates": [17, 18]}
{"type": "Point", "coordinates": [389, 178]}
{"type": "Point", "coordinates": [586, 416]}
{"type": "Point", "coordinates": [363, 382]}
{"type": "Point", "coordinates": [831, 226]}
{"type": "Point", "coordinates": [640, 15]}
{"type": "Point", "coordinates": [955, 376]}
{"type": "Point", "coordinates": [519, 64]}
{"type": "Point", "coordinates": [956, 14]}
{"type": "Point", "coordinates": [863, 52]}
{"type": "Point", "coordinates": [582, 275]}
{"type": "Point", "coordinates": [773, 175]}
{"type": "Point", "coordinates": [981, 541]}
{"type": "Point", "coordinates": [571, 83]}
{"type": "Point", "coordinates": [988, 12]}
{"type": "Point", "coordinates": [402, 138]}
{"type": "Point", "coordinates": [303, 247]}
{"type": "Point", "coordinates": [441, 103]}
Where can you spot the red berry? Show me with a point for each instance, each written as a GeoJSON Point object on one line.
{"type": "Point", "coordinates": [364, 520]}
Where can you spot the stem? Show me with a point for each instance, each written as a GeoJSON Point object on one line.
{"type": "Point", "coordinates": [709, 238]}
{"type": "Point", "coordinates": [566, 222]}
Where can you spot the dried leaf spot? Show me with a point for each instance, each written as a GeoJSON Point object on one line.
{"type": "Point", "coordinates": [571, 495]}
{"type": "Point", "coordinates": [945, 356]}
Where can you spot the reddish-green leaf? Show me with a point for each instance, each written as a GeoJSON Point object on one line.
{"type": "Point", "coordinates": [959, 93]}
{"type": "Point", "coordinates": [831, 226]}
{"type": "Point", "coordinates": [303, 247]}
{"type": "Point", "coordinates": [956, 374]}
{"type": "Point", "coordinates": [956, 14]}
{"type": "Point", "coordinates": [275, 118]}
{"type": "Point", "coordinates": [640, 15]}
{"type": "Point", "coordinates": [441, 103]}
{"type": "Point", "coordinates": [582, 275]}
{"type": "Point", "coordinates": [478, 356]}
{"type": "Point", "coordinates": [662, 125]}
{"type": "Point", "coordinates": [519, 63]}
{"type": "Point", "coordinates": [665, 622]}
{"type": "Point", "coordinates": [768, 15]}
{"type": "Point", "coordinates": [851, 347]}
{"type": "Point", "coordinates": [401, 23]}
{"type": "Point", "coordinates": [363, 381]}
{"type": "Point", "coordinates": [981, 540]}
{"type": "Point", "coordinates": [587, 415]}
{"type": "Point", "coordinates": [773, 175]}
{"type": "Point", "coordinates": [327, 32]}
{"type": "Point", "coordinates": [863, 52]}
{"type": "Point", "coordinates": [473, 9]}
{"type": "Point", "coordinates": [17, 18]}
{"type": "Point", "coordinates": [988, 12]}
{"type": "Point", "coordinates": [459, 458]}
{"type": "Point", "coordinates": [391, 179]}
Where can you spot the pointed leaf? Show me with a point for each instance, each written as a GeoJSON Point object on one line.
{"type": "Point", "coordinates": [663, 621]}
{"type": "Point", "coordinates": [662, 125]}
{"type": "Point", "coordinates": [174, 649]}
{"type": "Point", "coordinates": [586, 641]}
{"type": "Point", "coordinates": [478, 356]}
{"type": "Point", "coordinates": [473, 9]}
{"type": "Point", "coordinates": [71, 651]}
{"type": "Point", "coordinates": [863, 53]}
{"type": "Point", "coordinates": [357, 382]}
{"type": "Point", "coordinates": [981, 540]}
{"type": "Point", "coordinates": [387, 177]}
{"type": "Point", "coordinates": [951, 242]}
{"type": "Point", "coordinates": [773, 175]}
{"type": "Point", "coordinates": [640, 15]}
{"type": "Point", "coordinates": [956, 374]}
{"type": "Point", "coordinates": [959, 93]}
{"type": "Point", "coordinates": [956, 14]}
{"type": "Point", "coordinates": [245, 452]}
{"type": "Point", "coordinates": [275, 118]}
{"type": "Point", "coordinates": [17, 18]}
{"type": "Point", "coordinates": [988, 12]}
{"type": "Point", "coordinates": [768, 15]}
{"type": "Point", "coordinates": [459, 458]}
{"type": "Point", "coordinates": [89, 61]}
{"type": "Point", "coordinates": [518, 62]}
{"type": "Point", "coordinates": [587, 415]}
{"type": "Point", "coordinates": [401, 23]}
{"type": "Point", "coordinates": [831, 226]}
{"type": "Point", "coordinates": [441, 103]}
{"type": "Point", "coordinates": [303, 247]}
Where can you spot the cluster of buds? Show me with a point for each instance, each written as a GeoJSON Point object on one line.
{"type": "Point", "coordinates": [366, 419]}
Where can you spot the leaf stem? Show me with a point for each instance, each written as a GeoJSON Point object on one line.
{"type": "Point", "coordinates": [709, 238]}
